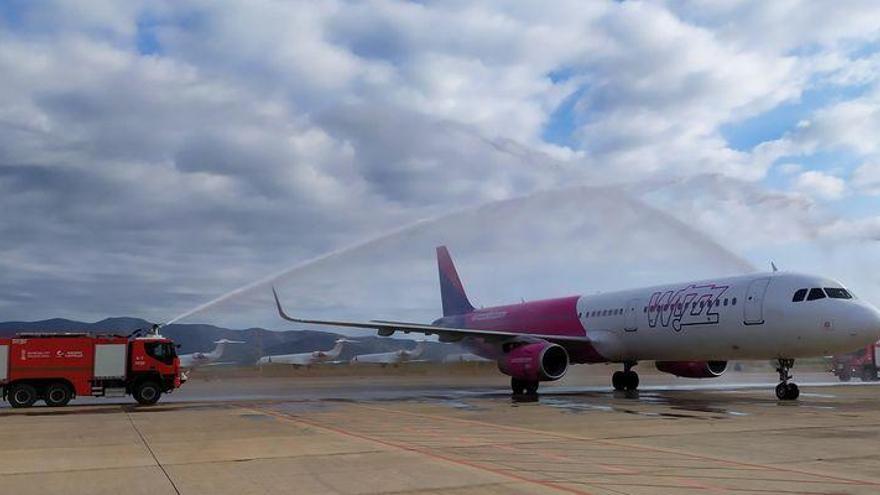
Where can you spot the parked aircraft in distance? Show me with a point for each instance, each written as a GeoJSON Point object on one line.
{"type": "Point", "coordinates": [393, 357]}
{"type": "Point", "coordinates": [306, 358]}
{"type": "Point", "coordinates": [196, 359]}
{"type": "Point", "coordinates": [689, 329]}
{"type": "Point", "coordinates": [467, 357]}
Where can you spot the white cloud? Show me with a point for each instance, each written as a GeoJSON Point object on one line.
{"type": "Point", "coordinates": [820, 184]}
{"type": "Point", "coordinates": [852, 124]}
{"type": "Point", "coordinates": [866, 179]}
{"type": "Point", "coordinates": [863, 228]}
{"type": "Point", "coordinates": [784, 25]}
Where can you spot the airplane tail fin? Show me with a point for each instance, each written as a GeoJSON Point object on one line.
{"type": "Point", "coordinates": [337, 347]}
{"type": "Point", "coordinates": [220, 346]}
{"type": "Point", "coordinates": [455, 301]}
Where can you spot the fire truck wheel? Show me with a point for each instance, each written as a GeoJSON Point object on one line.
{"type": "Point", "coordinates": [844, 377]}
{"type": "Point", "coordinates": [147, 393]}
{"type": "Point", "coordinates": [22, 395]}
{"type": "Point", "coordinates": [57, 395]}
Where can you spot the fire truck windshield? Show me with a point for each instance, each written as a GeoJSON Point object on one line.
{"type": "Point", "coordinates": [161, 351]}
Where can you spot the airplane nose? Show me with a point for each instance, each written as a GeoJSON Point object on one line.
{"type": "Point", "coordinates": [864, 319]}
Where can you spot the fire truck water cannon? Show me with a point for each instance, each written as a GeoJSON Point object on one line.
{"type": "Point", "coordinates": [57, 367]}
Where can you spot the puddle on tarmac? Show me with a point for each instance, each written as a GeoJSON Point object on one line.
{"type": "Point", "coordinates": [673, 404]}
{"type": "Point", "coordinates": [820, 396]}
{"type": "Point", "coordinates": [461, 405]}
{"type": "Point", "coordinates": [611, 403]}
{"type": "Point", "coordinates": [450, 402]}
{"type": "Point", "coordinates": [579, 401]}
{"type": "Point", "coordinates": [575, 407]}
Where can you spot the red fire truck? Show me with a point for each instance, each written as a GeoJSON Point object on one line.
{"type": "Point", "coordinates": [863, 363]}
{"type": "Point", "coordinates": [56, 367]}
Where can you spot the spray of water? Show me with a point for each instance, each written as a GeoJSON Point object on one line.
{"type": "Point", "coordinates": [658, 217]}
{"type": "Point", "coordinates": [264, 282]}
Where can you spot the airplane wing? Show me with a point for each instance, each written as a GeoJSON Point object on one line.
{"type": "Point", "coordinates": [445, 334]}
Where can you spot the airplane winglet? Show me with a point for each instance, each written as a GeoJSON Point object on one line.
{"type": "Point", "coordinates": [280, 309]}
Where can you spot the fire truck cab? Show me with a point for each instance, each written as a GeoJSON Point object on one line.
{"type": "Point", "coordinates": [863, 363]}
{"type": "Point", "coordinates": [56, 367]}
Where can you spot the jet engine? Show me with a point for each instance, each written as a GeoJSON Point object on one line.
{"type": "Point", "coordinates": [693, 369]}
{"type": "Point", "coordinates": [533, 362]}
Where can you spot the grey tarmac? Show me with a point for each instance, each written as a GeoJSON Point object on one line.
{"type": "Point", "coordinates": [390, 435]}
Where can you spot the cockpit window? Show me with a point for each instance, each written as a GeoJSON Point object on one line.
{"type": "Point", "coordinates": [815, 293]}
{"type": "Point", "coordinates": [799, 295]}
{"type": "Point", "coordinates": [837, 293]}
{"type": "Point", "coordinates": [163, 352]}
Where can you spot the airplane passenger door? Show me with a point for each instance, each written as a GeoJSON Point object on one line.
{"type": "Point", "coordinates": [753, 306]}
{"type": "Point", "coordinates": [631, 323]}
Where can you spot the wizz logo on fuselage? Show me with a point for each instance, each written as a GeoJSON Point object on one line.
{"type": "Point", "coordinates": [692, 305]}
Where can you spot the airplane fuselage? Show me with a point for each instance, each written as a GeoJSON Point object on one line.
{"type": "Point", "coordinates": [393, 357]}
{"type": "Point", "coordinates": [301, 359]}
{"type": "Point", "coordinates": [304, 358]}
{"type": "Point", "coordinates": [745, 317]}
{"type": "Point", "coordinates": [197, 359]}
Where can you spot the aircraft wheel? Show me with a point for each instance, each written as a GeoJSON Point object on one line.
{"type": "Point", "coordinates": [517, 386]}
{"type": "Point", "coordinates": [781, 391]}
{"type": "Point", "coordinates": [618, 381]}
{"type": "Point", "coordinates": [787, 391]}
{"type": "Point", "coordinates": [631, 380]}
{"type": "Point", "coordinates": [532, 388]}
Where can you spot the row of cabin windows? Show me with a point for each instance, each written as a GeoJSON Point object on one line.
{"type": "Point", "coordinates": [688, 305]}
{"type": "Point", "coordinates": [665, 307]}
{"type": "Point", "coordinates": [604, 312]}
{"type": "Point", "coordinates": [818, 293]}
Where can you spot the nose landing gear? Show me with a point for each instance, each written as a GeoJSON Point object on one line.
{"type": "Point", "coordinates": [786, 390]}
{"type": "Point", "coordinates": [626, 379]}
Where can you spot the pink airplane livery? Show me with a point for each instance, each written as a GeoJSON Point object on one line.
{"type": "Point", "coordinates": [689, 329]}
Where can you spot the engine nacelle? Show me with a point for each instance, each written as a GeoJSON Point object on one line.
{"type": "Point", "coordinates": [693, 369]}
{"type": "Point", "coordinates": [538, 361]}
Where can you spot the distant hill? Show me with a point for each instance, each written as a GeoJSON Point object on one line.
{"type": "Point", "coordinates": [258, 341]}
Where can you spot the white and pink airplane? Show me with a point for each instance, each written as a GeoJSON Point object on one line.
{"type": "Point", "coordinates": [690, 329]}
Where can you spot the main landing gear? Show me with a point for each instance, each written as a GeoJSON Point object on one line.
{"type": "Point", "coordinates": [626, 379]}
{"type": "Point", "coordinates": [523, 387]}
{"type": "Point", "coordinates": [786, 390]}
